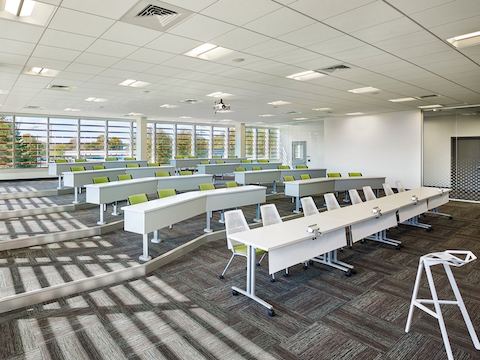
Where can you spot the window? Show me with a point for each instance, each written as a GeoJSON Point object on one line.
{"type": "Point", "coordinates": [62, 142]}
{"type": "Point", "coordinates": [92, 139]}
{"type": "Point", "coordinates": [164, 135]}
{"type": "Point", "coordinates": [250, 142]}
{"type": "Point", "coordinates": [119, 139]}
{"type": "Point", "coordinates": [202, 141]}
{"type": "Point", "coordinates": [6, 141]}
{"type": "Point", "coordinates": [219, 142]}
{"type": "Point", "coordinates": [261, 143]}
{"type": "Point", "coordinates": [231, 142]}
{"type": "Point", "coordinates": [150, 141]}
{"type": "Point", "coordinates": [30, 142]}
{"type": "Point", "coordinates": [184, 141]}
{"type": "Point", "coordinates": [273, 144]}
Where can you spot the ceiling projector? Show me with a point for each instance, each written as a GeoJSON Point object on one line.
{"type": "Point", "coordinates": [221, 107]}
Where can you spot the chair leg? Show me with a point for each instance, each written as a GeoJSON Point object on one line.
{"type": "Point", "coordinates": [226, 267]}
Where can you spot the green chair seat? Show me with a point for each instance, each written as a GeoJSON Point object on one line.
{"type": "Point", "coordinates": [263, 161]}
{"type": "Point", "coordinates": [81, 160]}
{"type": "Point", "coordinates": [152, 164]}
{"type": "Point", "coordinates": [283, 167]}
{"type": "Point", "coordinates": [101, 180]}
{"type": "Point", "coordinates": [206, 186]}
{"type": "Point", "coordinates": [123, 177]}
{"type": "Point", "coordinates": [354, 174]}
{"type": "Point", "coordinates": [288, 178]}
{"type": "Point", "coordinates": [133, 165]}
{"type": "Point", "coordinates": [246, 161]}
{"type": "Point", "coordinates": [204, 162]}
{"type": "Point", "coordinates": [61, 161]}
{"type": "Point", "coordinates": [98, 167]}
{"type": "Point", "coordinates": [162, 173]}
{"type": "Point", "coordinates": [130, 158]}
{"type": "Point", "coordinates": [240, 168]}
{"type": "Point", "coordinates": [334, 175]}
{"type": "Point", "coordinates": [179, 157]}
{"type": "Point", "coordinates": [186, 172]}
{"type": "Point", "coordinates": [219, 161]}
{"type": "Point", "coordinates": [110, 158]}
{"type": "Point", "coordinates": [301, 167]}
{"type": "Point", "coordinates": [256, 168]}
{"type": "Point", "coordinates": [231, 184]}
{"type": "Point", "coordinates": [137, 199]}
{"type": "Point", "coordinates": [242, 249]}
{"type": "Point", "coordinates": [77, 168]}
{"type": "Point", "coordinates": [163, 193]}
{"type": "Point", "coordinates": [305, 176]}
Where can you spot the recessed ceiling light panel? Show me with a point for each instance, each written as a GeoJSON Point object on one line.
{"type": "Point", "coordinates": [322, 109]}
{"type": "Point", "coordinates": [95, 99]}
{"type": "Point", "coordinates": [168, 106]}
{"type": "Point", "coordinates": [266, 115]}
{"type": "Point", "coordinates": [403, 99]}
{"type": "Point", "coordinates": [71, 109]}
{"type": "Point", "coordinates": [364, 90]}
{"type": "Point", "coordinates": [41, 71]}
{"type": "Point", "coordinates": [219, 94]}
{"type": "Point", "coordinates": [19, 8]}
{"type": "Point", "coordinates": [354, 113]}
{"type": "Point", "coordinates": [306, 75]}
{"type": "Point", "coordinates": [208, 51]}
{"type": "Point", "coordinates": [134, 83]}
{"type": "Point", "coordinates": [279, 103]}
{"type": "Point", "coordinates": [465, 40]}
{"type": "Point", "coordinates": [435, 106]}
{"type": "Point", "coordinates": [300, 118]}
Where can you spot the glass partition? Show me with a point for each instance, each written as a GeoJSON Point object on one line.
{"type": "Point", "coordinates": [30, 141]}
{"type": "Point", "coordinates": [202, 141]}
{"type": "Point", "coordinates": [63, 134]}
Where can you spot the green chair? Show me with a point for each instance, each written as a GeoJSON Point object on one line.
{"type": "Point", "coordinates": [110, 158]}
{"type": "Point", "coordinates": [179, 157]}
{"type": "Point", "coordinates": [191, 157]}
{"type": "Point", "coordinates": [206, 186]}
{"type": "Point", "coordinates": [219, 161]}
{"type": "Point", "coordinates": [61, 161]}
{"type": "Point", "coordinates": [355, 174]}
{"type": "Point", "coordinates": [301, 167]}
{"type": "Point", "coordinates": [163, 193]}
{"type": "Point", "coordinates": [98, 167]}
{"type": "Point", "coordinates": [81, 160]}
{"type": "Point", "coordinates": [334, 175]}
{"type": "Point", "coordinates": [263, 161]}
{"type": "Point", "coordinates": [133, 165]}
{"type": "Point", "coordinates": [137, 199]}
{"type": "Point", "coordinates": [231, 184]}
{"type": "Point", "coordinates": [123, 177]}
{"type": "Point", "coordinates": [283, 167]}
{"type": "Point", "coordinates": [101, 180]}
{"type": "Point", "coordinates": [256, 168]}
{"type": "Point", "coordinates": [162, 173]}
{"type": "Point", "coordinates": [204, 162]}
{"type": "Point", "coordinates": [246, 161]}
{"type": "Point", "coordinates": [186, 172]}
{"type": "Point", "coordinates": [287, 178]}
{"type": "Point", "coordinates": [240, 168]}
{"type": "Point", "coordinates": [305, 176]}
{"type": "Point", "coordinates": [130, 158]}
{"type": "Point", "coordinates": [77, 168]}
{"type": "Point", "coordinates": [152, 164]}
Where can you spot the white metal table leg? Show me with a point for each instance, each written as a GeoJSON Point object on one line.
{"type": "Point", "coordinates": [75, 191]}
{"type": "Point", "coordinates": [257, 214]}
{"type": "Point", "coordinates": [414, 222]}
{"type": "Point", "coordinates": [101, 221]}
{"type": "Point", "coordinates": [145, 256]}
{"type": "Point", "coordinates": [208, 229]}
{"type": "Point", "coordinates": [156, 237]}
{"type": "Point", "coordinates": [60, 182]}
{"type": "Point", "coordinates": [115, 209]}
{"type": "Point", "coordinates": [297, 205]}
{"type": "Point", "coordinates": [274, 190]}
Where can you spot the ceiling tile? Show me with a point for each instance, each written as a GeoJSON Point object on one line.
{"type": "Point", "coordinates": [240, 12]}
{"type": "Point", "coordinates": [311, 34]}
{"type": "Point", "coordinates": [84, 68]}
{"type": "Point", "coordinates": [49, 52]}
{"type": "Point", "coordinates": [173, 44]}
{"type": "Point", "coordinates": [16, 47]}
{"type": "Point", "coordinates": [412, 6]}
{"type": "Point", "coordinates": [279, 22]}
{"type": "Point", "coordinates": [12, 59]}
{"type": "Point", "coordinates": [47, 63]}
{"type": "Point", "coordinates": [132, 65]}
{"type": "Point", "coordinates": [130, 34]}
{"type": "Point", "coordinates": [113, 9]}
{"type": "Point", "coordinates": [201, 28]}
{"type": "Point", "coordinates": [239, 39]}
{"type": "Point", "coordinates": [150, 56]}
{"type": "Point", "coordinates": [324, 9]}
{"type": "Point", "coordinates": [194, 5]}
{"type": "Point", "coordinates": [15, 30]}
{"type": "Point", "coordinates": [66, 40]}
{"type": "Point", "coordinates": [79, 23]}
{"type": "Point", "coordinates": [111, 48]}
{"type": "Point", "coordinates": [96, 59]}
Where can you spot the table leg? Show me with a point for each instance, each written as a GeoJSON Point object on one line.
{"type": "Point", "coordinates": [115, 209]}
{"type": "Point", "coordinates": [156, 237]}
{"type": "Point", "coordinates": [60, 182]}
{"type": "Point", "coordinates": [297, 205]}
{"type": "Point", "coordinates": [145, 256]}
{"type": "Point", "coordinates": [208, 229]}
{"type": "Point", "coordinates": [274, 190]}
{"type": "Point", "coordinates": [101, 221]}
{"type": "Point", "coordinates": [257, 214]}
{"type": "Point", "coordinates": [75, 191]}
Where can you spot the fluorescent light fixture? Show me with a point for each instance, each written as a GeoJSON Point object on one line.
{"type": "Point", "coordinates": [306, 75]}
{"type": "Point", "coordinates": [219, 94]}
{"type": "Point", "coordinates": [321, 109]}
{"type": "Point", "coordinates": [185, 117]}
{"type": "Point", "coordinates": [208, 52]}
{"type": "Point", "coordinates": [95, 99]}
{"type": "Point", "coordinates": [436, 106]}
{"type": "Point", "coordinates": [3, 92]}
{"type": "Point", "coordinates": [41, 71]}
{"type": "Point", "coordinates": [134, 83]}
{"type": "Point", "coordinates": [403, 99]}
{"type": "Point", "coordinates": [224, 111]}
{"type": "Point", "coordinates": [19, 7]}
{"type": "Point", "coordinates": [266, 115]}
{"type": "Point", "coordinates": [70, 109]}
{"type": "Point", "coordinates": [168, 106]}
{"type": "Point", "coordinates": [465, 40]}
{"type": "Point", "coordinates": [354, 113]}
{"type": "Point", "coordinates": [279, 103]}
{"type": "Point", "coordinates": [134, 114]}
{"type": "Point", "coordinates": [300, 118]}
{"type": "Point", "coordinates": [364, 90]}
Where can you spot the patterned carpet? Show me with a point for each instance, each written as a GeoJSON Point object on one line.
{"type": "Point", "coordinates": [183, 311]}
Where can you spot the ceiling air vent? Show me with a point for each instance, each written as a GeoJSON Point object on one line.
{"type": "Point", "coordinates": [190, 101]}
{"type": "Point", "coordinates": [59, 87]}
{"type": "Point", "coordinates": [331, 69]}
{"type": "Point", "coordinates": [427, 96]}
{"type": "Point", "coordinates": [31, 107]}
{"type": "Point", "coordinates": [155, 15]}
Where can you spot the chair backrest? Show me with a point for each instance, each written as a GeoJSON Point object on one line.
{"type": "Point", "coordinates": [152, 164]}
{"type": "Point", "coordinates": [101, 180]}
{"type": "Point", "coordinates": [334, 175]}
{"type": "Point", "coordinates": [98, 167]}
{"type": "Point", "coordinates": [110, 158]}
{"type": "Point", "coordinates": [331, 201]}
{"type": "Point", "coordinates": [288, 178]}
{"type": "Point", "coordinates": [133, 165]}
{"type": "Point", "coordinates": [400, 187]}
{"type": "Point", "coordinates": [137, 199]}
{"type": "Point", "coordinates": [77, 168]}
{"type": "Point", "coordinates": [308, 206]}
{"type": "Point", "coordinates": [369, 194]}
{"type": "Point", "coordinates": [130, 158]}
{"type": "Point", "coordinates": [179, 157]}
{"type": "Point", "coordinates": [204, 162]}
{"type": "Point", "coordinates": [231, 184]}
{"type": "Point", "coordinates": [283, 167]}
{"type": "Point", "coordinates": [246, 161]}
{"type": "Point", "coordinates": [123, 177]}
{"type": "Point", "coordinates": [234, 223]}
{"type": "Point", "coordinates": [61, 161]}
{"type": "Point", "coordinates": [354, 174]}
{"type": "Point", "coordinates": [186, 172]}
{"type": "Point", "coordinates": [206, 186]}
{"type": "Point", "coordinates": [163, 193]}
{"type": "Point", "coordinates": [387, 189]}
{"type": "Point", "coordinates": [162, 173]}
{"type": "Point", "coordinates": [354, 196]}
{"type": "Point", "coordinates": [219, 161]}
{"type": "Point", "coordinates": [270, 214]}
{"type": "Point", "coordinates": [81, 160]}
{"type": "Point", "coordinates": [263, 161]}
{"type": "Point", "coordinates": [301, 166]}
{"type": "Point", "coordinates": [240, 168]}
{"type": "Point", "coordinates": [305, 176]}
{"type": "Point", "coordinates": [256, 168]}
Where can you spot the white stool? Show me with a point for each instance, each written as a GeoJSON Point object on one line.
{"type": "Point", "coordinates": [447, 258]}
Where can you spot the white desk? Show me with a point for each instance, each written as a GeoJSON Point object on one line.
{"type": "Point", "coordinates": [156, 214]}
{"type": "Point", "coordinates": [77, 179]}
{"type": "Point", "coordinates": [112, 192]}
{"type": "Point", "coordinates": [193, 162]}
{"type": "Point", "coordinates": [220, 169]}
{"type": "Point", "coordinates": [57, 169]}
{"type": "Point", "coordinates": [301, 188]}
{"type": "Point", "coordinates": [274, 176]}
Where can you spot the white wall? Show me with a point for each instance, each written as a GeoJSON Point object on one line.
{"type": "Point", "coordinates": [385, 144]}
{"type": "Point", "coordinates": [312, 134]}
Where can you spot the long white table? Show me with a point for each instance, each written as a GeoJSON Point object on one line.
{"type": "Point", "coordinates": [274, 176]}
{"type": "Point", "coordinates": [220, 169]}
{"type": "Point", "coordinates": [191, 163]}
{"type": "Point", "coordinates": [57, 169]}
{"type": "Point", "coordinates": [289, 243]}
{"type": "Point", "coordinates": [301, 188]}
{"type": "Point", "coordinates": [110, 193]}
{"type": "Point", "coordinates": [156, 214]}
{"type": "Point", "coordinates": [78, 179]}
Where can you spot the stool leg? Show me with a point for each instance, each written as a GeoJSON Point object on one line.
{"type": "Point", "coordinates": [414, 295]}
{"type": "Point", "coordinates": [438, 312]}
{"type": "Point", "coordinates": [462, 307]}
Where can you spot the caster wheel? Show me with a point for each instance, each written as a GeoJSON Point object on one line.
{"type": "Point", "coordinates": [258, 264]}
{"type": "Point", "coordinates": [398, 247]}
{"type": "Point", "coordinates": [221, 277]}
{"type": "Point", "coordinates": [429, 229]}
{"type": "Point", "coordinates": [305, 267]}
{"type": "Point", "coordinates": [450, 218]}
{"type": "Point", "coordinates": [272, 280]}
{"type": "Point", "coordinates": [271, 312]}
{"type": "Point", "coordinates": [348, 273]}
{"type": "Point", "coordinates": [234, 293]}
{"type": "Point", "coordinates": [286, 275]}
{"type": "Point", "coordinates": [341, 249]}
{"type": "Point", "coordinates": [310, 262]}
{"type": "Point", "coordinates": [353, 271]}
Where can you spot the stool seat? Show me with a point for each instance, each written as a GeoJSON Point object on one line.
{"type": "Point", "coordinates": [455, 258]}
